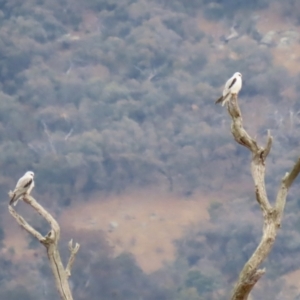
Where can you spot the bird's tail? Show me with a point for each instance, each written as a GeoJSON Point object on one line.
{"type": "Point", "coordinates": [226, 98]}
{"type": "Point", "coordinates": [219, 100]}
{"type": "Point", "coordinates": [12, 196]}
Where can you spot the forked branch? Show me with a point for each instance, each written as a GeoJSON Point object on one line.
{"type": "Point", "coordinates": [73, 252]}
{"type": "Point", "coordinates": [251, 273]}
{"type": "Point", "coordinates": [50, 241]}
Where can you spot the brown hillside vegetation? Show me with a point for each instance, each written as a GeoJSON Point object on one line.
{"type": "Point", "coordinates": [144, 223]}
{"type": "Point", "coordinates": [271, 20]}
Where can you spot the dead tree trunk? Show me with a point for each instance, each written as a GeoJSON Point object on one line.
{"type": "Point", "coordinates": [50, 241]}
{"type": "Point", "coordinates": [272, 215]}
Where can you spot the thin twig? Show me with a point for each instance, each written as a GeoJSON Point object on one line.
{"type": "Point", "coordinates": [73, 252]}
{"type": "Point", "coordinates": [49, 137]}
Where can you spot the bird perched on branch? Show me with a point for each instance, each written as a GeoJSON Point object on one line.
{"type": "Point", "coordinates": [232, 87]}
{"type": "Point", "coordinates": [24, 186]}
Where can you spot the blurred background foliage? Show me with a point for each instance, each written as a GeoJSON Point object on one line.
{"type": "Point", "coordinates": [106, 95]}
{"type": "Point", "coordinates": [121, 91]}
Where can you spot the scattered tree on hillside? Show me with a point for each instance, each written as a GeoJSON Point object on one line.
{"type": "Point", "coordinates": [272, 215]}
{"type": "Point", "coordinates": [50, 241]}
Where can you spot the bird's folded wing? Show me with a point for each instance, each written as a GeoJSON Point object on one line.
{"type": "Point", "coordinates": [23, 182]}
{"type": "Point", "coordinates": [28, 183]}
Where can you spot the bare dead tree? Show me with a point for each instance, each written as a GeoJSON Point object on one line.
{"type": "Point", "coordinates": [272, 215]}
{"type": "Point", "coordinates": [50, 241]}
{"type": "Point", "coordinates": [50, 140]}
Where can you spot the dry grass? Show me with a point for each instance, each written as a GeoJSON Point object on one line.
{"type": "Point", "coordinates": [288, 58]}
{"type": "Point", "coordinates": [271, 19]}
{"type": "Point", "coordinates": [148, 222]}
{"type": "Point", "coordinates": [293, 279]}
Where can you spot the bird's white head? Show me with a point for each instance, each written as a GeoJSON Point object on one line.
{"type": "Point", "coordinates": [238, 74]}
{"type": "Point", "coordinates": [30, 173]}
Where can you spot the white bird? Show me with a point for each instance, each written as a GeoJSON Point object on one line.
{"type": "Point", "coordinates": [24, 186]}
{"type": "Point", "coordinates": [232, 87]}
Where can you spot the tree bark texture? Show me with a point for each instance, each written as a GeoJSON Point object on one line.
{"type": "Point", "coordinates": [50, 241]}
{"type": "Point", "coordinates": [272, 215]}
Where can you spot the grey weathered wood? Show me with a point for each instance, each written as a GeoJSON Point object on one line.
{"type": "Point", "coordinates": [50, 241]}
{"type": "Point", "coordinates": [272, 215]}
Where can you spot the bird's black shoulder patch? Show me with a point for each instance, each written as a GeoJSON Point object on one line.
{"type": "Point", "coordinates": [232, 83]}
{"type": "Point", "coordinates": [28, 183]}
